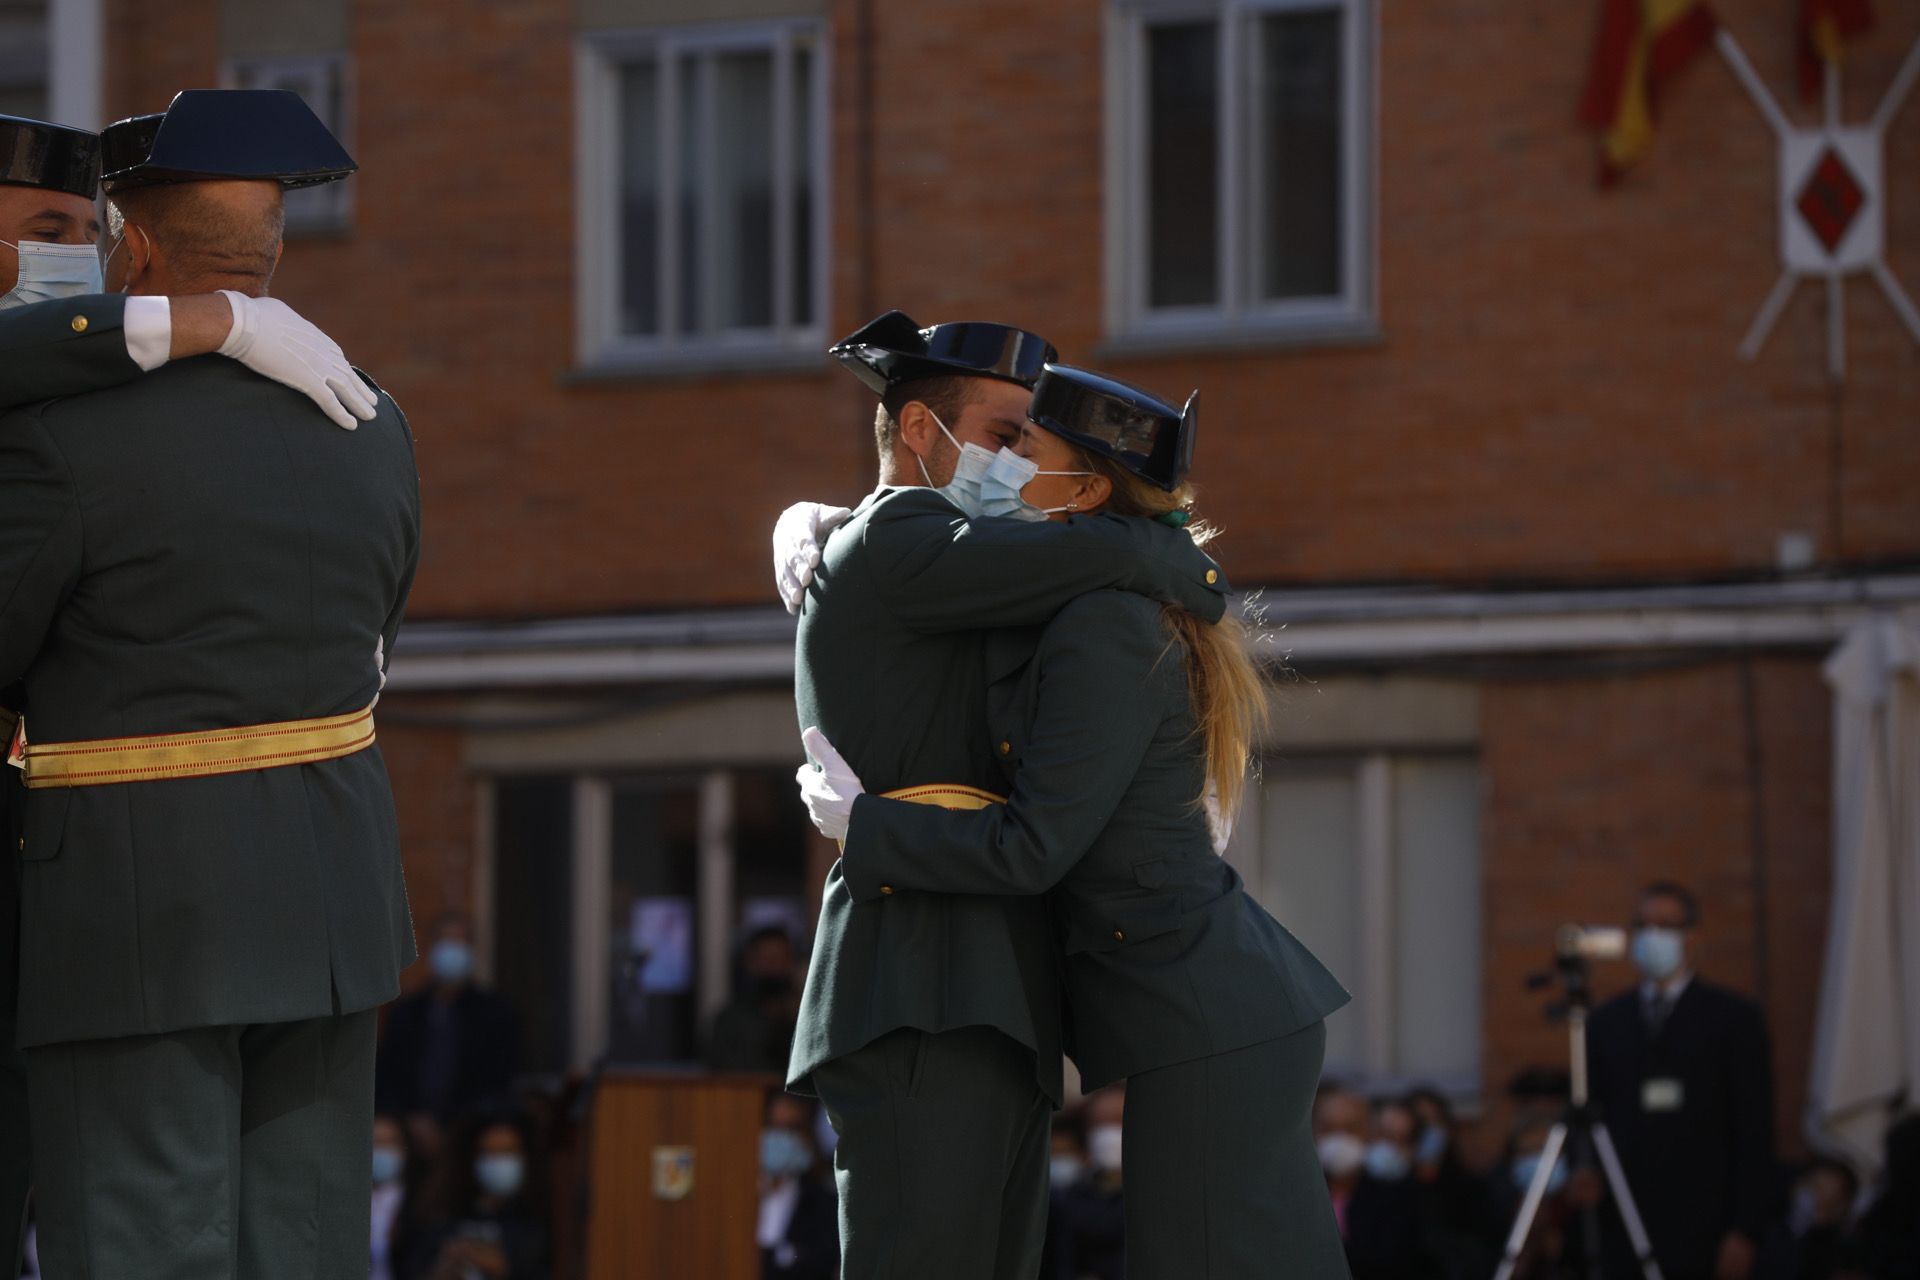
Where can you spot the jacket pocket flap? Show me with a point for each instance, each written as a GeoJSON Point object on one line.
{"type": "Point", "coordinates": [1106, 924]}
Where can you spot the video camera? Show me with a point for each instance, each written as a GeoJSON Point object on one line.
{"type": "Point", "coordinates": [1574, 947]}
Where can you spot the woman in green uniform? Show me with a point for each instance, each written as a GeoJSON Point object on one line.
{"type": "Point", "coordinates": [1113, 727]}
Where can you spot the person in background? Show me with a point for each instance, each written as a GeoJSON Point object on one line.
{"type": "Point", "coordinates": [1545, 1252]}
{"type": "Point", "coordinates": [1383, 1240]}
{"type": "Point", "coordinates": [799, 1228]}
{"type": "Point", "coordinates": [1090, 1239]}
{"type": "Point", "coordinates": [450, 1048]}
{"type": "Point", "coordinates": [395, 1177]}
{"type": "Point", "coordinates": [754, 1032]}
{"type": "Point", "coordinates": [1681, 1073]}
{"type": "Point", "coordinates": [1457, 1221]}
{"type": "Point", "coordinates": [488, 1221]}
{"type": "Point", "coordinates": [1886, 1244]}
{"type": "Point", "coordinates": [1066, 1166]}
{"type": "Point", "coordinates": [1807, 1244]}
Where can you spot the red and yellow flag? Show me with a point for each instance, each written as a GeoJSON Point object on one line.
{"type": "Point", "coordinates": [1824, 26]}
{"type": "Point", "coordinates": [1640, 47]}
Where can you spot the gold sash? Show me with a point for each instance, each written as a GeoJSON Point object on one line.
{"type": "Point", "coordinates": [948, 795]}
{"type": "Point", "coordinates": [203, 754]}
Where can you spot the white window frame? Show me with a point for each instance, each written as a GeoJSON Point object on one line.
{"type": "Point", "coordinates": [330, 209]}
{"type": "Point", "coordinates": [599, 342]}
{"type": "Point", "coordinates": [1238, 314]}
{"type": "Point", "coordinates": [1377, 927]}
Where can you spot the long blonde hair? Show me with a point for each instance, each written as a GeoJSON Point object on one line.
{"type": "Point", "coordinates": [1230, 707]}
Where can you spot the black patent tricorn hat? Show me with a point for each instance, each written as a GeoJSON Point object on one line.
{"type": "Point", "coordinates": [34, 153]}
{"type": "Point", "coordinates": [1135, 428]}
{"type": "Point", "coordinates": [893, 349]}
{"type": "Point", "coordinates": [212, 134]}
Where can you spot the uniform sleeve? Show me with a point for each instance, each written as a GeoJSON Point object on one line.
{"type": "Point", "coordinates": [63, 348]}
{"type": "Point", "coordinates": [390, 631]}
{"type": "Point", "coordinates": [938, 571]}
{"type": "Point", "coordinates": [40, 539]}
{"type": "Point", "coordinates": [1096, 709]}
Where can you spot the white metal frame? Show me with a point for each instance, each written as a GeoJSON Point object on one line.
{"type": "Point", "coordinates": [74, 63]}
{"type": "Point", "coordinates": [598, 59]}
{"type": "Point", "coordinates": [328, 78]}
{"type": "Point", "coordinates": [1239, 311]}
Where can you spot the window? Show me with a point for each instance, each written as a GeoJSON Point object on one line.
{"type": "Point", "coordinates": [620, 902]}
{"type": "Point", "coordinates": [321, 81]}
{"type": "Point", "coordinates": [1240, 192]}
{"type": "Point", "coordinates": [23, 58]}
{"type": "Point", "coordinates": [702, 159]}
{"type": "Point", "coordinates": [1374, 863]}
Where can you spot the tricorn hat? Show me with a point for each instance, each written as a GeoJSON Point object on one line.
{"type": "Point", "coordinates": [893, 349]}
{"type": "Point", "coordinates": [1138, 430]}
{"type": "Point", "coordinates": [34, 153]}
{"type": "Point", "coordinates": [212, 134]}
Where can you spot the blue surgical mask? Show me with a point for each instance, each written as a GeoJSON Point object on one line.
{"type": "Point", "coordinates": [500, 1174]}
{"type": "Point", "coordinates": [1063, 1170]}
{"type": "Point", "coordinates": [1658, 953]}
{"type": "Point", "coordinates": [451, 960]}
{"type": "Point", "coordinates": [784, 1154]}
{"type": "Point", "coordinates": [388, 1164]}
{"type": "Point", "coordinates": [1525, 1167]}
{"type": "Point", "coordinates": [50, 271]}
{"type": "Point", "coordinates": [1001, 487]}
{"type": "Point", "coordinates": [1432, 1146]}
{"type": "Point", "coordinates": [963, 491]}
{"type": "Point", "coordinates": [1388, 1162]}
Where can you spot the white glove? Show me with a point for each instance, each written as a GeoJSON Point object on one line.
{"type": "Point", "coordinates": [828, 791]}
{"type": "Point", "coordinates": [276, 342]}
{"type": "Point", "coordinates": [798, 535]}
{"type": "Point", "coordinates": [1219, 824]}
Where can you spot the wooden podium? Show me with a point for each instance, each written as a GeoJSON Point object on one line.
{"type": "Point", "coordinates": [673, 1175]}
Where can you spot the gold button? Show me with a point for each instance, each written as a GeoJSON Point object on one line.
{"type": "Point", "coordinates": [1119, 935]}
{"type": "Point", "coordinates": [1213, 576]}
{"type": "Point", "coordinates": [79, 324]}
{"type": "Point", "coordinates": [1006, 748]}
{"type": "Point", "coordinates": [886, 888]}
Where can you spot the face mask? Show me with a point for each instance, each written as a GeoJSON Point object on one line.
{"type": "Point", "coordinates": [1103, 1147]}
{"type": "Point", "coordinates": [1433, 1145]}
{"type": "Point", "coordinates": [388, 1164]}
{"type": "Point", "coordinates": [1658, 953]}
{"type": "Point", "coordinates": [1009, 474]}
{"type": "Point", "coordinates": [1341, 1154]}
{"type": "Point", "coordinates": [783, 1154]}
{"type": "Point", "coordinates": [1063, 1171]}
{"type": "Point", "coordinates": [451, 960]}
{"type": "Point", "coordinates": [1387, 1162]}
{"type": "Point", "coordinates": [963, 491]}
{"type": "Point", "coordinates": [49, 271]}
{"type": "Point", "coordinates": [1525, 1167]}
{"type": "Point", "coordinates": [500, 1175]}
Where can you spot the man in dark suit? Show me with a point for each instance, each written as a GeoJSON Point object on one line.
{"type": "Point", "coordinates": [449, 1048]}
{"type": "Point", "coordinates": [1682, 1077]}
{"type": "Point", "coordinates": [199, 578]}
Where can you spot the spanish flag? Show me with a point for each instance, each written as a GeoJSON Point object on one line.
{"type": "Point", "coordinates": [1824, 25]}
{"type": "Point", "coordinates": [1641, 46]}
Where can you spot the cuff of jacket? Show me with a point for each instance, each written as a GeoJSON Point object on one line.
{"type": "Point", "coordinates": [862, 883]}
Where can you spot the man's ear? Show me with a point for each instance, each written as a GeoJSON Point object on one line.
{"type": "Point", "coordinates": [918, 430]}
{"type": "Point", "coordinates": [140, 252]}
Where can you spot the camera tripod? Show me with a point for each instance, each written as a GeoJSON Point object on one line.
{"type": "Point", "coordinates": [1579, 1120]}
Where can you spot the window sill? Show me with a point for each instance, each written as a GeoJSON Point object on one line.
{"type": "Point", "coordinates": [695, 364]}
{"type": "Point", "coordinates": [1251, 336]}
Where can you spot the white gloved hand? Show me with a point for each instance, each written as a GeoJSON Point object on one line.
{"type": "Point", "coordinates": [830, 790]}
{"type": "Point", "coordinates": [1219, 825]}
{"type": "Point", "coordinates": [275, 341]}
{"type": "Point", "coordinates": [798, 535]}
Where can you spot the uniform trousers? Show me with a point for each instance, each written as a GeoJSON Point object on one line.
{"type": "Point", "coordinates": [218, 1153]}
{"type": "Point", "coordinates": [942, 1161]}
{"type": "Point", "coordinates": [1222, 1178]}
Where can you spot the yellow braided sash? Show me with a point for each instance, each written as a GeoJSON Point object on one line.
{"type": "Point", "coordinates": [154, 757]}
{"type": "Point", "coordinates": [948, 795]}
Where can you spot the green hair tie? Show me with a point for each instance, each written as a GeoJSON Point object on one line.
{"type": "Point", "coordinates": [1178, 519]}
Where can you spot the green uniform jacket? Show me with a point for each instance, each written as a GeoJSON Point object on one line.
{"type": "Point", "coordinates": [198, 549]}
{"type": "Point", "coordinates": [43, 355]}
{"type": "Point", "coordinates": [890, 666]}
{"type": "Point", "coordinates": [1167, 958]}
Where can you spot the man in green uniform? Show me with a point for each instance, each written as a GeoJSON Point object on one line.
{"type": "Point", "coordinates": [199, 579]}
{"type": "Point", "coordinates": [51, 346]}
{"type": "Point", "coordinates": [930, 1024]}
